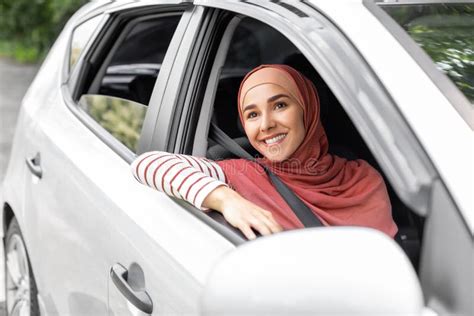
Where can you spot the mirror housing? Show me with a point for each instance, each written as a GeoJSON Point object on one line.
{"type": "Point", "coordinates": [321, 271]}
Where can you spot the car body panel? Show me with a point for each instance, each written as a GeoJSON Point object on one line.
{"type": "Point", "coordinates": [111, 218]}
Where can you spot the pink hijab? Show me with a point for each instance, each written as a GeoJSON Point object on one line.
{"type": "Point", "coordinates": [338, 191]}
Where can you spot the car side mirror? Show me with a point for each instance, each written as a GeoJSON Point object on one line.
{"type": "Point", "coordinates": [320, 271]}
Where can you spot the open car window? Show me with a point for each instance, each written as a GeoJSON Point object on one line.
{"type": "Point", "coordinates": [252, 43]}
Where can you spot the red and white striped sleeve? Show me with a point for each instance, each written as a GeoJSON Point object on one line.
{"type": "Point", "coordinates": [185, 177]}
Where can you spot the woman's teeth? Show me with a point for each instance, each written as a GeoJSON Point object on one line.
{"type": "Point", "coordinates": [274, 139]}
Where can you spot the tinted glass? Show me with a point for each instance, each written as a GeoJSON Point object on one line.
{"type": "Point", "coordinates": [80, 38]}
{"type": "Point", "coordinates": [446, 33]}
{"type": "Point", "coordinates": [121, 118]}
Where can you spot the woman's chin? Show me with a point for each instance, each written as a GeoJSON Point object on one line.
{"type": "Point", "coordinates": [275, 158]}
{"type": "Point", "coordinates": [273, 154]}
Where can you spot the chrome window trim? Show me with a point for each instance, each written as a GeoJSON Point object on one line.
{"type": "Point", "coordinates": [364, 98]}
{"type": "Point", "coordinates": [457, 99]}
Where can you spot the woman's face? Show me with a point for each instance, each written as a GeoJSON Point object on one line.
{"type": "Point", "coordinates": [273, 121]}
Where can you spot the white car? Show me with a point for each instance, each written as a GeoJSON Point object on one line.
{"type": "Point", "coordinates": [395, 78]}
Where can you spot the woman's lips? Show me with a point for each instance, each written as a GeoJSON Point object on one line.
{"type": "Point", "coordinates": [274, 140]}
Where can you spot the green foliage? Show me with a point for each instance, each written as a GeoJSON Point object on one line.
{"type": "Point", "coordinates": [29, 27]}
{"type": "Point", "coordinates": [121, 118]}
{"type": "Point", "coordinates": [445, 33]}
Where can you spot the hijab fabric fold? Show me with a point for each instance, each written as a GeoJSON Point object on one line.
{"type": "Point", "coordinates": [338, 191]}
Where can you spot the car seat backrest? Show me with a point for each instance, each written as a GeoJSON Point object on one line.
{"type": "Point", "coordinates": [141, 88]}
{"type": "Point", "coordinates": [225, 106]}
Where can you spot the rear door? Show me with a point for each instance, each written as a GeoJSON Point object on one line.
{"type": "Point", "coordinates": [92, 221]}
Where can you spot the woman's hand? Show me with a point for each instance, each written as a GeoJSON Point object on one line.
{"type": "Point", "coordinates": [242, 213]}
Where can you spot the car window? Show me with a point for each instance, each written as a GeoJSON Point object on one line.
{"type": "Point", "coordinates": [80, 37]}
{"type": "Point", "coordinates": [120, 92]}
{"type": "Point", "coordinates": [445, 32]}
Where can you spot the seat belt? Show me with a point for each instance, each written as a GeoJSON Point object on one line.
{"type": "Point", "coordinates": [301, 210]}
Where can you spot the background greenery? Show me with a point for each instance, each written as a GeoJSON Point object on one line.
{"type": "Point", "coordinates": [445, 31]}
{"type": "Point", "coordinates": [29, 27]}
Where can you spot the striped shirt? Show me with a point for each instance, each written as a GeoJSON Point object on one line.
{"type": "Point", "coordinates": [182, 176]}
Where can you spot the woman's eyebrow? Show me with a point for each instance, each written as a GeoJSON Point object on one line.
{"type": "Point", "coordinates": [269, 100]}
{"type": "Point", "coordinates": [276, 97]}
{"type": "Point", "coordinates": [248, 107]}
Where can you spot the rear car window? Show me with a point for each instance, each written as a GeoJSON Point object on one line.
{"type": "Point", "coordinates": [445, 32]}
{"type": "Point", "coordinates": [120, 92]}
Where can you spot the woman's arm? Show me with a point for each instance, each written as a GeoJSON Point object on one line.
{"type": "Point", "coordinates": [185, 177]}
{"type": "Point", "coordinates": [202, 183]}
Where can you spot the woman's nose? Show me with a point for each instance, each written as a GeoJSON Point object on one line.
{"type": "Point", "coordinates": [266, 123]}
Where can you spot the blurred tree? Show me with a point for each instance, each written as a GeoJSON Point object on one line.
{"type": "Point", "coordinates": [121, 118]}
{"type": "Point", "coordinates": [29, 27]}
{"type": "Point", "coordinates": [445, 32]}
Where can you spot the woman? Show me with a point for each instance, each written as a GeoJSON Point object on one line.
{"type": "Point", "coordinates": [279, 110]}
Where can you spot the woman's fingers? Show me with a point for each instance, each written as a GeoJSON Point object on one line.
{"type": "Point", "coordinates": [247, 216]}
{"type": "Point", "coordinates": [247, 231]}
{"type": "Point", "coordinates": [270, 222]}
{"type": "Point", "coordinates": [260, 226]}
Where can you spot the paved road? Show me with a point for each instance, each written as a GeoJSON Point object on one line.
{"type": "Point", "coordinates": [14, 81]}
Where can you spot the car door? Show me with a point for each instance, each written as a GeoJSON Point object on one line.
{"type": "Point", "coordinates": [92, 220]}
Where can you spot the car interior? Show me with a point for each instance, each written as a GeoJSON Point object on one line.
{"type": "Point", "coordinates": [130, 73]}
{"type": "Point", "coordinates": [255, 43]}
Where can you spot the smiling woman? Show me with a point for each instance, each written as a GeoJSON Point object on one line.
{"type": "Point", "coordinates": [271, 115]}
{"type": "Point", "coordinates": [280, 113]}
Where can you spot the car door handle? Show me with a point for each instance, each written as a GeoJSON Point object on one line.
{"type": "Point", "coordinates": [131, 283]}
{"type": "Point", "coordinates": [34, 164]}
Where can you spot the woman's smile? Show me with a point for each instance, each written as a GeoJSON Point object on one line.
{"type": "Point", "coordinates": [274, 140]}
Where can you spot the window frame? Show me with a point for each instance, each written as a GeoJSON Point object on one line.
{"type": "Point", "coordinates": [67, 65]}
{"type": "Point", "coordinates": [115, 22]}
{"type": "Point", "coordinates": [98, 9]}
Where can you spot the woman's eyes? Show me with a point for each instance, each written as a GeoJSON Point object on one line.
{"type": "Point", "coordinates": [251, 115]}
{"type": "Point", "coordinates": [280, 105]}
